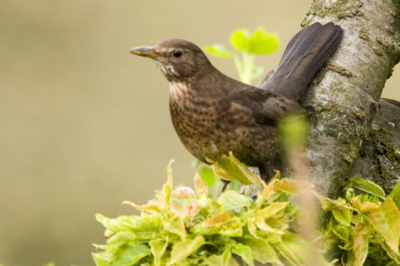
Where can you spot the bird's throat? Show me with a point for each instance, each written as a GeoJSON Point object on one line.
{"type": "Point", "coordinates": [179, 91]}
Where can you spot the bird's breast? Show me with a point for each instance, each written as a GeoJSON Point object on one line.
{"type": "Point", "coordinates": [209, 127]}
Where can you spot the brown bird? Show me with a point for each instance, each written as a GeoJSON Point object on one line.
{"type": "Point", "coordinates": [214, 114]}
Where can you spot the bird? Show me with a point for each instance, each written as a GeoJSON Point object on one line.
{"type": "Point", "coordinates": [214, 114]}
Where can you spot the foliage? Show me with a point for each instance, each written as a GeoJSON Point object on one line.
{"type": "Point", "coordinates": [186, 227]}
{"type": "Point", "coordinates": [363, 229]}
{"type": "Point", "coordinates": [249, 45]}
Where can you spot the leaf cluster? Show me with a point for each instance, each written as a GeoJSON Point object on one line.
{"type": "Point", "coordinates": [249, 45]}
{"type": "Point", "coordinates": [363, 229]}
{"type": "Point", "coordinates": [186, 227]}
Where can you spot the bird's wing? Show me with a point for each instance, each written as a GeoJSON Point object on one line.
{"type": "Point", "coordinates": [266, 108]}
{"type": "Point", "coordinates": [304, 55]}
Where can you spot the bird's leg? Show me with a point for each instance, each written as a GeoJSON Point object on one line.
{"type": "Point", "coordinates": [225, 183]}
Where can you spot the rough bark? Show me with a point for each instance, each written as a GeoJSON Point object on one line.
{"type": "Point", "coordinates": [345, 94]}
{"type": "Point", "coordinates": [380, 156]}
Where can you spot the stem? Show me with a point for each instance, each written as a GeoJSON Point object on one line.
{"type": "Point", "coordinates": [247, 67]}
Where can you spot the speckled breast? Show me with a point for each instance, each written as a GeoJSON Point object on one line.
{"type": "Point", "coordinates": [209, 128]}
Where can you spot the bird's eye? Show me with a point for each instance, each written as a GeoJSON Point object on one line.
{"type": "Point", "coordinates": [177, 53]}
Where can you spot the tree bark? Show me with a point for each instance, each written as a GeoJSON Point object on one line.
{"type": "Point", "coordinates": [345, 94]}
{"type": "Point", "coordinates": [380, 156]}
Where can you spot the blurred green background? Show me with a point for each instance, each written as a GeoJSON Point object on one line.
{"type": "Point", "coordinates": [85, 125]}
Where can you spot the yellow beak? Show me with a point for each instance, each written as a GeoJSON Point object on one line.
{"type": "Point", "coordinates": [146, 51]}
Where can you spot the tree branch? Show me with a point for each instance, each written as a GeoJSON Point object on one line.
{"type": "Point", "coordinates": [346, 93]}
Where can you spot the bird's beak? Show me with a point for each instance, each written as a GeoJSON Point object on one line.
{"type": "Point", "coordinates": [146, 51]}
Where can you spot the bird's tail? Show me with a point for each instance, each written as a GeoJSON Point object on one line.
{"type": "Point", "coordinates": [305, 54]}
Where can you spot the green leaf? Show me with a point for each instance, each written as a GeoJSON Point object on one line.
{"type": "Point", "coordinates": [239, 40]}
{"type": "Point", "coordinates": [360, 243]}
{"type": "Point", "coordinates": [208, 175]}
{"type": "Point", "coordinates": [366, 186]}
{"type": "Point", "coordinates": [185, 248]}
{"type": "Point", "coordinates": [262, 251]}
{"type": "Point", "coordinates": [343, 216]}
{"type": "Point", "coordinates": [128, 254]}
{"type": "Point", "coordinates": [230, 168]}
{"type": "Point", "coordinates": [175, 225]}
{"type": "Point", "coordinates": [328, 204]}
{"type": "Point", "coordinates": [386, 222]}
{"type": "Point", "coordinates": [395, 194]}
{"type": "Point", "coordinates": [244, 252]}
{"type": "Point", "coordinates": [342, 233]}
{"type": "Point", "coordinates": [218, 50]}
{"type": "Point", "coordinates": [261, 42]}
{"type": "Point", "coordinates": [158, 249]}
{"type": "Point", "coordinates": [231, 200]}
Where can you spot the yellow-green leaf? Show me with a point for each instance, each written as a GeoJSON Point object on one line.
{"type": "Point", "coordinates": [386, 221]}
{"type": "Point", "coordinates": [185, 248]}
{"type": "Point", "coordinates": [230, 168]}
{"type": "Point", "coordinates": [343, 216]}
{"type": "Point", "coordinates": [218, 50]}
{"type": "Point", "coordinates": [239, 40]}
{"type": "Point", "coordinates": [366, 186]}
{"type": "Point", "coordinates": [231, 200]}
{"type": "Point", "coordinates": [261, 42]}
{"type": "Point", "coordinates": [158, 249]}
{"type": "Point", "coordinates": [244, 252]}
{"type": "Point", "coordinates": [360, 243]}
{"type": "Point", "coordinates": [176, 226]}
{"type": "Point", "coordinates": [262, 251]}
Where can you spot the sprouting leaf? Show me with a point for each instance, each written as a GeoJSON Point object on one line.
{"type": "Point", "coordinates": [364, 207]}
{"type": "Point", "coordinates": [151, 205]}
{"type": "Point", "coordinates": [366, 186]}
{"type": "Point", "coordinates": [230, 168]}
{"type": "Point", "coordinates": [183, 249]}
{"type": "Point", "coordinates": [218, 50]}
{"type": "Point", "coordinates": [200, 187]}
{"type": "Point", "coordinates": [183, 193]}
{"type": "Point", "coordinates": [231, 200]}
{"type": "Point", "coordinates": [167, 188]}
{"type": "Point", "coordinates": [360, 243]}
{"type": "Point", "coordinates": [217, 220]}
{"type": "Point", "coordinates": [239, 40]}
{"type": "Point", "coordinates": [261, 42]}
{"type": "Point", "coordinates": [386, 222]}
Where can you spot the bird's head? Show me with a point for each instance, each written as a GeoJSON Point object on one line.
{"type": "Point", "coordinates": [177, 59]}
